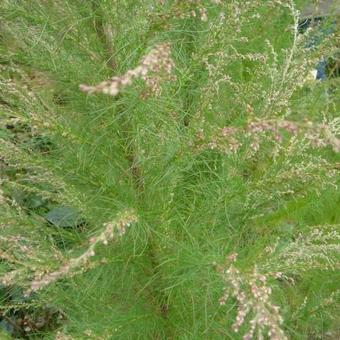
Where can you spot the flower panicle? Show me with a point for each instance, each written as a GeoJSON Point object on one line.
{"type": "Point", "coordinates": [253, 294]}
{"type": "Point", "coordinates": [112, 231]}
{"type": "Point", "coordinates": [156, 66]}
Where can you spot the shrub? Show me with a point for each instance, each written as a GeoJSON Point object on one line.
{"type": "Point", "coordinates": [199, 128]}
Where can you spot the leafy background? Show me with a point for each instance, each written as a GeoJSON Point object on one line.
{"type": "Point", "coordinates": [94, 156]}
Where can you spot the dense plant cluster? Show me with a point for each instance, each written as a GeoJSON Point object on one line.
{"type": "Point", "coordinates": [188, 191]}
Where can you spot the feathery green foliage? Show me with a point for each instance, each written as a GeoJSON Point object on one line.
{"type": "Point", "coordinates": [236, 152]}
